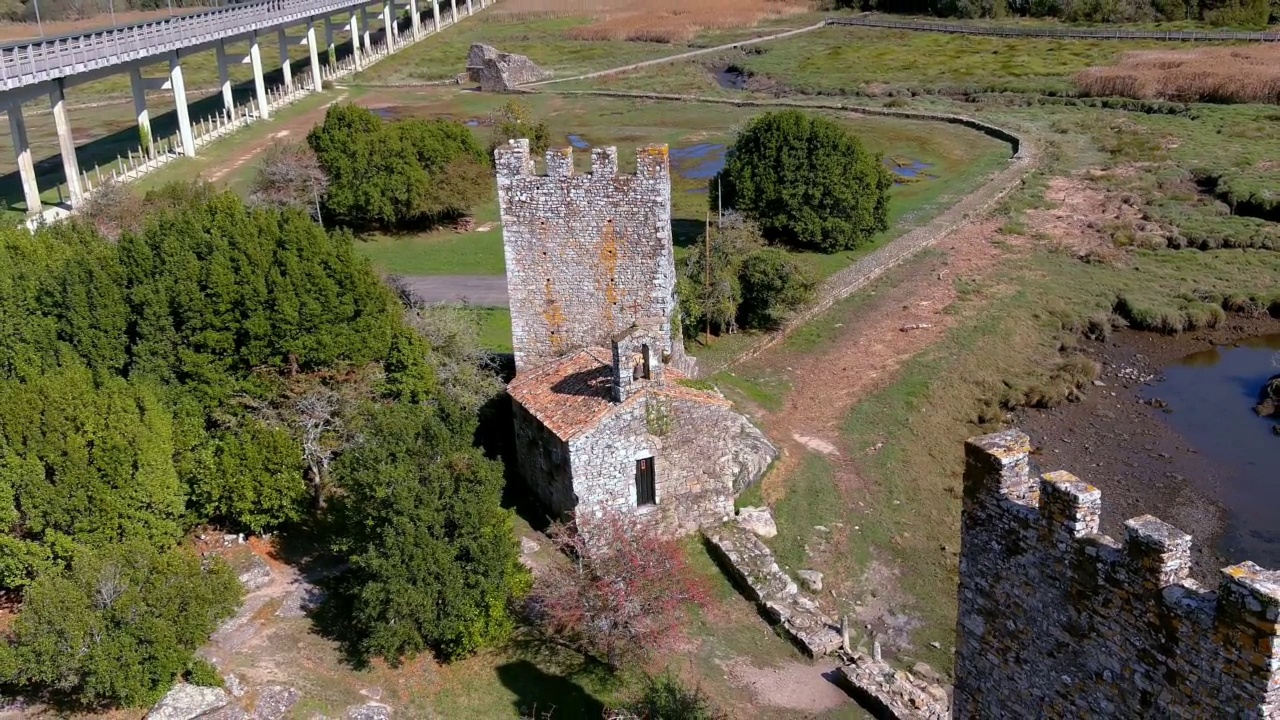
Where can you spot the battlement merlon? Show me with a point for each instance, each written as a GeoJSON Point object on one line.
{"type": "Point", "coordinates": [515, 160]}
{"type": "Point", "coordinates": [1157, 554]}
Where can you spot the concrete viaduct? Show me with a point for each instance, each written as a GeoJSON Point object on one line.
{"type": "Point", "coordinates": [48, 67]}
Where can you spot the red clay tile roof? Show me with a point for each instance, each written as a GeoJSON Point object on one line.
{"type": "Point", "coordinates": [574, 393]}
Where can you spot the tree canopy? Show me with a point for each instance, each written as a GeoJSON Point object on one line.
{"type": "Point", "coordinates": [218, 363]}
{"type": "Point", "coordinates": [387, 174]}
{"type": "Point", "coordinates": [806, 181]}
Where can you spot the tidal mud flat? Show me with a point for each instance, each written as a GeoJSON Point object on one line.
{"type": "Point", "coordinates": [1168, 429]}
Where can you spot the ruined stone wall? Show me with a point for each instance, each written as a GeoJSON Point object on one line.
{"type": "Point", "coordinates": [544, 461]}
{"type": "Point", "coordinates": [699, 464]}
{"type": "Point", "coordinates": [1057, 620]}
{"type": "Point", "coordinates": [586, 254]}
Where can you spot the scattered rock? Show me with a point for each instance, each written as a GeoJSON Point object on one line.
{"type": "Point", "coordinates": [185, 702]}
{"type": "Point", "coordinates": [812, 579]}
{"type": "Point", "coordinates": [527, 546]}
{"type": "Point", "coordinates": [233, 685]}
{"type": "Point", "coordinates": [257, 575]}
{"type": "Point", "coordinates": [228, 712]}
{"type": "Point", "coordinates": [369, 711]}
{"type": "Point", "coordinates": [758, 520]}
{"type": "Point", "coordinates": [497, 71]}
{"type": "Point", "coordinates": [935, 645]}
{"type": "Point", "coordinates": [274, 701]}
{"type": "Point", "coordinates": [821, 528]}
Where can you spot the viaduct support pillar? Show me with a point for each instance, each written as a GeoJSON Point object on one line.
{"type": "Point", "coordinates": [224, 78]}
{"type": "Point", "coordinates": [435, 15]}
{"type": "Point", "coordinates": [470, 12]}
{"type": "Point", "coordinates": [22, 151]}
{"type": "Point", "coordinates": [453, 11]}
{"type": "Point", "coordinates": [328, 41]}
{"type": "Point", "coordinates": [388, 26]}
{"type": "Point", "coordinates": [180, 104]}
{"type": "Point", "coordinates": [317, 80]}
{"type": "Point", "coordinates": [286, 69]}
{"type": "Point", "coordinates": [355, 40]}
{"type": "Point", "coordinates": [364, 35]}
{"type": "Point", "coordinates": [66, 142]}
{"type": "Point", "coordinates": [145, 138]}
{"type": "Point", "coordinates": [259, 82]}
{"type": "Point", "coordinates": [415, 20]}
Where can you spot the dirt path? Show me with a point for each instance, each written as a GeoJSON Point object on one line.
{"type": "Point", "coordinates": [869, 350]}
{"type": "Point", "coordinates": [297, 126]}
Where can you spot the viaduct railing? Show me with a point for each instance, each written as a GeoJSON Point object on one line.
{"type": "Point", "coordinates": [1055, 32]}
{"type": "Point", "coordinates": [35, 62]}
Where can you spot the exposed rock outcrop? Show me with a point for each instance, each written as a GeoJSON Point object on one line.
{"type": "Point", "coordinates": [496, 71]}
{"type": "Point", "coordinates": [186, 702]}
{"type": "Point", "coordinates": [758, 520]}
{"type": "Point", "coordinates": [1269, 398]}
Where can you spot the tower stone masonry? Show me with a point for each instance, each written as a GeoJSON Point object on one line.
{"type": "Point", "coordinates": [587, 255]}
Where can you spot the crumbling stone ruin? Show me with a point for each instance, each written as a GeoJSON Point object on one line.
{"type": "Point", "coordinates": [604, 417]}
{"type": "Point", "coordinates": [496, 71]}
{"type": "Point", "coordinates": [1057, 620]}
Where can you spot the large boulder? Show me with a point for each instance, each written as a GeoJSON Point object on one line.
{"type": "Point", "coordinates": [758, 520]}
{"type": "Point", "coordinates": [185, 702]}
{"type": "Point", "coordinates": [496, 71]}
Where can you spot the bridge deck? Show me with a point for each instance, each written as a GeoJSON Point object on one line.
{"type": "Point", "coordinates": [53, 58]}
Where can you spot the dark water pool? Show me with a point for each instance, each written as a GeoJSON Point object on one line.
{"type": "Point", "coordinates": [731, 78]}
{"type": "Point", "coordinates": [578, 142]}
{"type": "Point", "coordinates": [698, 162]}
{"type": "Point", "coordinates": [1211, 395]}
{"type": "Point", "coordinates": [907, 169]}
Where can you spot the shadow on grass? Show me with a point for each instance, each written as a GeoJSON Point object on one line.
{"type": "Point", "coordinates": [551, 680]}
{"type": "Point", "coordinates": [101, 151]}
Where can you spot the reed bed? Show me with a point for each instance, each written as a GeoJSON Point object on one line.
{"type": "Point", "coordinates": [660, 21]}
{"type": "Point", "coordinates": [1228, 74]}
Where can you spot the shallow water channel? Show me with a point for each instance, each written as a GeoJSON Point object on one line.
{"type": "Point", "coordinates": [1211, 395]}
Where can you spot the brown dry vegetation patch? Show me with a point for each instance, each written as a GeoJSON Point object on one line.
{"type": "Point", "coordinates": [1089, 221]}
{"type": "Point", "coordinates": [1211, 74]}
{"type": "Point", "coordinates": [665, 21]}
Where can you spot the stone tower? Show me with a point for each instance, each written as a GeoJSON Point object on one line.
{"type": "Point", "coordinates": [587, 255]}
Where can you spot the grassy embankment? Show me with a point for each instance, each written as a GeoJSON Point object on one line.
{"type": "Point", "coordinates": [1016, 326]}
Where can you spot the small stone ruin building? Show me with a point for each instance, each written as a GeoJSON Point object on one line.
{"type": "Point", "coordinates": [605, 417]}
{"type": "Point", "coordinates": [497, 71]}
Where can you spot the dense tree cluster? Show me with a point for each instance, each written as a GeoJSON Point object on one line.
{"type": "Point", "coordinates": [1235, 13]}
{"type": "Point", "coordinates": [731, 280]}
{"type": "Point", "coordinates": [387, 174]}
{"type": "Point", "coordinates": [221, 363]}
{"type": "Point", "coordinates": [806, 181]}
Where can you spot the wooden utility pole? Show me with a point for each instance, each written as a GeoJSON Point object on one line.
{"type": "Point", "coordinates": [706, 277]}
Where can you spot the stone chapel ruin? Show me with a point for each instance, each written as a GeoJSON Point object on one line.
{"type": "Point", "coordinates": [602, 419]}
{"type": "Point", "coordinates": [1058, 620]}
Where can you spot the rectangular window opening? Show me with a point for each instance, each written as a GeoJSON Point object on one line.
{"type": "Point", "coordinates": [646, 490]}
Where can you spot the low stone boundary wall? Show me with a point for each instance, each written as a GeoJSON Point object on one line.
{"type": "Point", "coordinates": [751, 564]}
{"type": "Point", "coordinates": [1024, 158]}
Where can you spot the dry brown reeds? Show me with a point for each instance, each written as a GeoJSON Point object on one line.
{"type": "Point", "coordinates": [663, 21]}
{"type": "Point", "coordinates": [1212, 74]}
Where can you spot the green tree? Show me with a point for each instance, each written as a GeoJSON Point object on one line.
{"type": "Point", "coordinates": [88, 463]}
{"type": "Point", "coordinates": [773, 285]}
{"type": "Point", "coordinates": [807, 181]}
{"type": "Point", "coordinates": [387, 174]}
{"type": "Point", "coordinates": [250, 478]}
{"type": "Point", "coordinates": [119, 625]}
{"type": "Point", "coordinates": [434, 562]}
{"type": "Point", "coordinates": [514, 121]}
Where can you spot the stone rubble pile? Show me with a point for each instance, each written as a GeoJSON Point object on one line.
{"type": "Point", "coordinates": [894, 694]}
{"type": "Point", "coordinates": [752, 565]}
